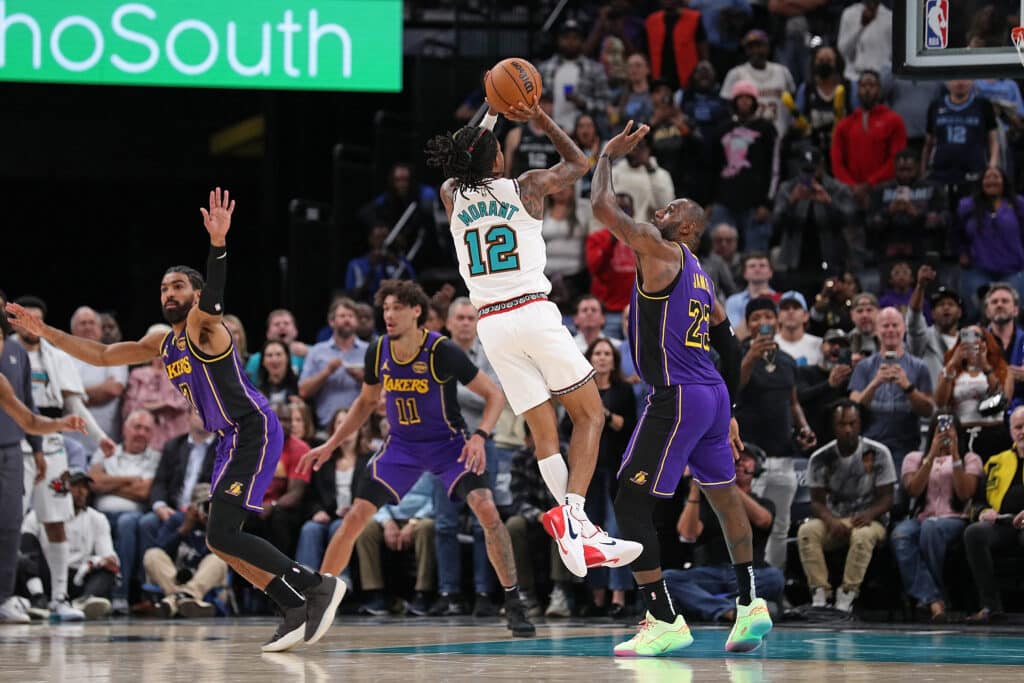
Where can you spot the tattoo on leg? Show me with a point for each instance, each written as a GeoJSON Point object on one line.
{"type": "Point", "coordinates": [499, 552]}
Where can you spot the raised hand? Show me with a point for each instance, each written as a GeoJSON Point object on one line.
{"type": "Point", "coordinates": [24, 322]}
{"type": "Point", "coordinates": [218, 218]}
{"type": "Point", "coordinates": [523, 112]}
{"type": "Point", "coordinates": [73, 423]}
{"type": "Point", "coordinates": [624, 142]}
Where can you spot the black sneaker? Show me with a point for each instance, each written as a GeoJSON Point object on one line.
{"type": "Point", "coordinates": [420, 605]}
{"type": "Point", "coordinates": [447, 606]}
{"type": "Point", "coordinates": [289, 633]}
{"type": "Point", "coordinates": [322, 603]}
{"type": "Point", "coordinates": [375, 605]}
{"type": "Point", "coordinates": [515, 614]}
{"type": "Point", "coordinates": [483, 607]}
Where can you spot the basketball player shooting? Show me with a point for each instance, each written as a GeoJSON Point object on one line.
{"type": "Point", "coordinates": [496, 226]}
{"type": "Point", "coordinates": [688, 419]}
{"type": "Point", "coordinates": [200, 360]}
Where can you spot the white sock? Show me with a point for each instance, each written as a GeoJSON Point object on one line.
{"type": "Point", "coordinates": [575, 501]}
{"type": "Point", "coordinates": [555, 474]}
{"type": "Point", "coordinates": [56, 555]}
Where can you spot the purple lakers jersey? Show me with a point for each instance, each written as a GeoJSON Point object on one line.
{"type": "Point", "coordinates": [217, 387]}
{"type": "Point", "coordinates": [668, 330]}
{"type": "Point", "coordinates": [420, 396]}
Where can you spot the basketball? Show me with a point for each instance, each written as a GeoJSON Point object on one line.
{"type": "Point", "coordinates": [512, 80]}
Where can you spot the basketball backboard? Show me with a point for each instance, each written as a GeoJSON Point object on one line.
{"type": "Point", "coordinates": [944, 39]}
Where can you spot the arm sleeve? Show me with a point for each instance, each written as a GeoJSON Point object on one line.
{"type": "Point", "coordinates": [370, 363]}
{"type": "Point", "coordinates": [211, 299]}
{"type": "Point", "coordinates": [75, 406]}
{"type": "Point", "coordinates": [723, 340]}
{"type": "Point", "coordinates": [450, 361]}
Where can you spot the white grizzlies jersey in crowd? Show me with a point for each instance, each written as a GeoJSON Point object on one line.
{"type": "Point", "coordinates": [500, 246]}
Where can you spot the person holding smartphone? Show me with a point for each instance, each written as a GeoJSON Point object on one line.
{"type": "Point", "coordinates": [1001, 524]}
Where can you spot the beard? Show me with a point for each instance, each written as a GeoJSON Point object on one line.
{"type": "Point", "coordinates": [177, 314]}
{"type": "Point", "coordinates": [1001, 318]}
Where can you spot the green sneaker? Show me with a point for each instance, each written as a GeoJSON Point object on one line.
{"type": "Point", "coordinates": [656, 638]}
{"type": "Point", "coordinates": [752, 624]}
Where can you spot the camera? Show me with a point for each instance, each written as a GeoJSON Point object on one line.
{"type": "Point", "coordinates": [766, 330]}
{"type": "Point", "coordinates": [890, 358]}
{"type": "Point", "coordinates": [943, 423]}
{"type": "Point", "coordinates": [969, 335]}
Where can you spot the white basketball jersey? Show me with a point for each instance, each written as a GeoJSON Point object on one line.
{"type": "Point", "coordinates": [500, 246]}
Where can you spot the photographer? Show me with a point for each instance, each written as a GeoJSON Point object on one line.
{"type": "Point", "coordinates": [863, 337]}
{"type": "Point", "coordinates": [908, 214]}
{"type": "Point", "coordinates": [895, 387]}
{"type": "Point", "coordinates": [833, 304]}
{"type": "Point", "coordinates": [941, 479]}
{"type": "Point", "coordinates": [767, 412]}
{"type": "Point", "coordinates": [930, 344]}
{"type": "Point", "coordinates": [182, 564]}
{"type": "Point", "coordinates": [365, 273]}
{"type": "Point", "coordinates": [818, 386]}
{"type": "Point", "coordinates": [976, 385]}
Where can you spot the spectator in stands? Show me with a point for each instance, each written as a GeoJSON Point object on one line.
{"type": "Point", "coordinates": [823, 101]}
{"type": "Point", "coordinates": [812, 212]}
{"type": "Point", "coordinates": [769, 414]}
{"type": "Point", "coordinates": [238, 337]}
{"type": "Point", "coordinates": [792, 336]}
{"type": "Point", "coordinates": [579, 84]}
{"type": "Point", "coordinates": [930, 343]}
{"type": "Point", "coordinates": [302, 423]}
{"type": "Point", "coordinates": [403, 189]}
{"type": "Point", "coordinates": [866, 142]}
{"type": "Point", "coordinates": [586, 135]}
{"type": "Point", "coordinates": [865, 38]}
{"type": "Point", "coordinates": [283, 504]}
{"type": "Point", "coordinates": [834, 303]}
{"type": "Point", "coordinates": [746, 161]}
{"type": "Point", "coordinates": [911, 99]}
{"type": "Point", "coordinates": [819, 386]}
{"type": "Point", "coordinates": [332, 490]}
{"type": "Point", "coordinates": [770, 79]}
{"type": "Point", "coordinates": [277, 378]}
{"type": "Point", "coordinates": [409, 525]}
{"type": "Point", "coordinates": [365, 323]}
{"type": "Point", "coordinates": [894, 387]}
{"type": "Point", "coordinates": [676, 41]}
{"type": "Point", "coordinates": [707, 590]}
{"type": "Point", "coordinates": [851, 481]}
{"type": "Point", "coordinates": [612, 266]}
{"type": "Point", "coordinates": [527, 147]}
{"type": "Point", "coordinates": [615, 19]}
{"type": "Point", "coordinates": [724, 22]}
{"type": "Point", "coordinates": [900, 287]}
{"type": "Point", "coordinates": [671, 139]}
{"type": "Point", "coordinates": [122, 483]}
{"type": "Point", "coordinates": [110, 330]}
{"type": "Point", "coordinates": [364, 274]}
{"type": "Point", "coordinates": [635, 101]}
{"type": "Point", "coordinates": [639, 176]}
{"type": "Point", "coordinates": [280, 326]}
{"type": "Point", "coordinates": [704, 111]}
{"type": "Point", "coordinates": [908, 214]}
{"type": "Point", "coordinates": [974, 371]}
{"type": "Point", "coordinates": [589, 321]}
{"type": "Point", "coordinates": [1002, 308]}
{"type": "Point", "coordinates": [989, 237]}
{"type": "Point", "coordinates": [940, 480]}
{"type": "Point", "coordinates": [185, 462]}
{"type": "Point", "coordinates": [864, 339]}
{"type": "Point", "coordinates": [92, 562]}
{"type": "Point", "coordinates": [149, 389]}
{"type": "Point", "coordinates": [999, 525]}
{"type": "Point", "coordinates": [530, 499]}
{"type": "Point", "coordinates": [333, 374]}
{"type": "Point", "coordinates": [757, 273]}
{"type": "Point", "coordinates": [181, 563]}
{"type": "Point", "coordinates": [962, 139]}
{"type": "Point", "coordinates": [613, 61]}
{"type": "Point", "coordinates": [720, 274]}
{"type": "Point", "coordinates": [564, 234]}
{"type": "Point", "coordinates": [725, 242]}
{"type": "Point", "coordinates": [103, 385]}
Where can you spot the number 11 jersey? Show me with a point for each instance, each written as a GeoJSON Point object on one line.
{"type": "Point", "coordinates": [668, 330]}
{"type": "Point", "coordinates": [500, 246]}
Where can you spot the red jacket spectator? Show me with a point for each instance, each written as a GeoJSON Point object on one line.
{"type": "Point", "coordinates": [688, 44]}
{"type": "Point", "coordinates": [612, 269]}
{"type": "Point", "coordinates": [865, 144]}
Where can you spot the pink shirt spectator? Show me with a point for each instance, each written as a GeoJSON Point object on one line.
{"type": "Point", "coordinates": [940, 482]}
{"type": "Point", "coordinates": [149, 388]}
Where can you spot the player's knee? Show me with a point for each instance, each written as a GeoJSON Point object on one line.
{"type": "Point", "coordinates": [481, 502]}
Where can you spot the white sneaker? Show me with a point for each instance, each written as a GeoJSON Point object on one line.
{"type": "Point", "coordinates": [559, 605]}
{"type": "Point", "coordinates": [601, 550]}
{"type": "Point", "coordinates": [12, 612]}
{"type": "Point", "coordinates": [819, 598]}
{"type": "Point", "coordinates": [93, 607]}
{"type": "Point", "coordinates": [565, 524]}
{"type": "Point", "coordinates": [63, 610]}
{"type": "Point", "coordinates": [844, 600]}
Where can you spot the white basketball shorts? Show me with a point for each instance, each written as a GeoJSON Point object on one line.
{"type": "Point", "coordinates": [50, 498]}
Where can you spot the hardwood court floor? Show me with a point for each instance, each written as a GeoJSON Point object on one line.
{"type": "Point", "coordinates": [383, 650]}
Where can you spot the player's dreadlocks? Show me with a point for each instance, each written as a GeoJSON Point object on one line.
{"type": "Point", "coordinates": [466, 155]}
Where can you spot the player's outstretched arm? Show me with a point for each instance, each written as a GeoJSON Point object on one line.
{"type": "Point", "coordinates": [536, 184]}
{"type": "Point", "coordinates": [204, 321]}
{"type": "Point", "coordinates": [358, 413]}
{"type": "Point", "coordinates": [31, 422]}
{"type": "Point", "coordinates": [92, 352]}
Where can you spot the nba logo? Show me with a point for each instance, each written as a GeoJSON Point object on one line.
{"type": "Point", "coordinates": [936, 31]}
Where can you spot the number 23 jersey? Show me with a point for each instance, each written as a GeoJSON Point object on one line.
{"type": "Point", "coordinates": [668, 330]}
{"type": "Point", "coordinates": [500, 246]}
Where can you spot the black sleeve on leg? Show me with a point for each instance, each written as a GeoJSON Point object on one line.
{"type": "Point", "coordinates": [723, 340]}
{"type": "Point", "coordinates": [211, 300]}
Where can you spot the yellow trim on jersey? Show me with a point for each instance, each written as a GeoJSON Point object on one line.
{"type": "Point", "coordinates": [640, 291]}
{"type": "Point", "coordinates": [207, 359]}
{"type": "Point", "coordinates": [440, 393]}
{"type": "Point", "coordinates": [376, 458]}
{"type": "Point", "coordinates": [391, 350]}
{"type": "Point", "coordinates": [664, 349]}
{"type": "Point", "coordinates": [164, 341]}
{"type": "Point", "coordinates": [433, 373]}
{"type": "Point", "coordinates": [231, 454]}
{"type": "Point", "coordinates": [668, 445]}
{"type": "Point", "coordinates": [216, 397]}
{"type": "Point", "coordinates": [714, 483]}
{"type": "Point", "coordinates": [376, 362]}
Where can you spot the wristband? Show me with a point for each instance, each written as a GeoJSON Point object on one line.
{"type": "Point", "coordinates": [489, 121]}
{"type": "Point", "coordinates": [910, 389]}
{"type": "Point", "coordinates": [482, 434]}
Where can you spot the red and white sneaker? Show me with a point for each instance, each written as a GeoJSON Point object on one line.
{"type": "Point", "coordinates": [565, 526]}
{"type": "Point", "coordinates": [601, 550]}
